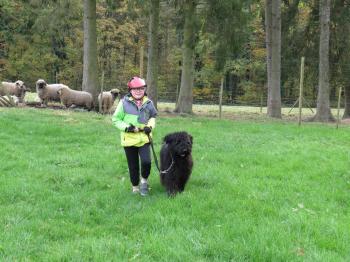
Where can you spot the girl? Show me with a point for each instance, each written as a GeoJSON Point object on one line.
{"type": "Point", "coordinates": [135, 118]}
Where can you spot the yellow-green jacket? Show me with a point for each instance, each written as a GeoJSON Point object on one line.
{"type": "Point", "coordinates": [127, 113]}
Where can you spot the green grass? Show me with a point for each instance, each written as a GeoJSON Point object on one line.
{"type": "Point", "coordinates": [266, 191]}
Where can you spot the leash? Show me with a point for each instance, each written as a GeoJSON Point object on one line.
{"type": "Point", "coordinates": [154, 153]}
{"type": "Point", "coordinates": [155, 156]}
{"type": "Point", "coordinates": [156, 160]}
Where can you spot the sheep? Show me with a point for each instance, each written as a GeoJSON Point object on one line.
{"type": "Point", "coordinates": [71, 97]}
{"type": "Point", "coordinates": [17, 89]}
{"type": "Point", "coordinates": [48, 92]}
{"type": "Point", "coordinates": [8, 101]}
{"type": "Point", "coordinates": [108, 99]}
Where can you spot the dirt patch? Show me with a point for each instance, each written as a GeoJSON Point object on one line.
{"type": "Point", "coordinates": [346, 121]}
{"type": "Point", "coordinates": [247, 116]}
{"type": "Point", "coordinates": [49, 106]}
{"type": "Point", "coordinates": [55, 106]}
{"type": "Point", "coordinates": [166, 111]}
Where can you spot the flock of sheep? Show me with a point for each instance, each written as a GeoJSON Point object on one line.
{"type": "Point", "coordinates": [58, 93]}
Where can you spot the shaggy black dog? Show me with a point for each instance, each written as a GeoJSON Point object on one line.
{"type": "Point", "coordinates": [176, 161]}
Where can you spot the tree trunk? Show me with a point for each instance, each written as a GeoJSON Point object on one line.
{"type": "Point", "coordinates": [323, 111]}
{"type": "Point", "coordinates": [90, 83]}
{"type": "Point", "coordinates": [268, 26]}
{"type": "Point", "coordinates": [185, 100]}
{"type": "Point", "coordinates": [345, 67]}
{"type": "Point", "coordinates": [273, 45]}
{"type": "Point", "coordinates": [152, 66]}
{"type": "Point", "coordinates": [347, 102]}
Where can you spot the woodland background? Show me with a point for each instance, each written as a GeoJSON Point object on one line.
{"type": "Point", "coordinates": [44, 39]}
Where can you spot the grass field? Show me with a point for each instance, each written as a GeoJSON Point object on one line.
{"type": "Point", "coordinates": [260, 191]}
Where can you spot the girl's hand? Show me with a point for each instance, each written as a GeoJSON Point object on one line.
{"type": "Point", "coordinates": [147, 130]}
{"type": "Point", "coordinates": [131, 129]}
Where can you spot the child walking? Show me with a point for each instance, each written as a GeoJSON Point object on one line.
{"type": "Point", "coordinates": [135, 117]}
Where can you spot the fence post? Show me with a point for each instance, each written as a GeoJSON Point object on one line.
{"type": "Point", "coordinates": [220, 96]}
{"type": "Point", "coordinates": [102, 83]}
{"type": "Point", "coordinates": [338, 114]}
{"type": "Point", "coordinates": [301, 88]}
{"type": "Point", "coordinates": [141, 61]}
{"type": "Point", "coordinates": [177, 94]}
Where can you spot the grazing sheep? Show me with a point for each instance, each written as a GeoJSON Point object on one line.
{"type": "Point", "coordinates": [8, 101]}
{"type": "Point", "coordinates": [17, 89]}
{"type": "Point", "coordinates": [71, 97]}
{"type": "Point", "coordinates": [108, 99]}
{"type": "Point", "coordinates": [48, 92]}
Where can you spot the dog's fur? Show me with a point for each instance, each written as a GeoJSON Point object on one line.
{"type": "Point", "coordinates": [176, 149]}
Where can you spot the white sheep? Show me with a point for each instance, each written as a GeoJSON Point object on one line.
{"type": "Point", "coordinates": [17, 89]}
{"type": "Point", "coordinates": [71, 97]}
{"type": "Point", "coordinates": [48, 92]}
{"type": "Point", "coordinates": [8, 101]}
{"type": "Point", "coordinates": [108, 99]}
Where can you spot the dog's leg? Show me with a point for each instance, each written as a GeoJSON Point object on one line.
{"type": "Point", "coordinates": [171, 193]}
{"type": "Point", "coordinates": [182, 183]}
{"type": "Point", "coordinates": [172, 188]}
{"type": "Point", "coordinates": [181, 188]}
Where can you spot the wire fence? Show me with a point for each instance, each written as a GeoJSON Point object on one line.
{"type": "Point", "coordinates": [259, 100]}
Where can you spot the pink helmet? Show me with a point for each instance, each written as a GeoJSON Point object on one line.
{"type": "Point", "coordinates": [136, 82]}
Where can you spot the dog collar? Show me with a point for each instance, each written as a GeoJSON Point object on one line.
{"type": "Point", "coordinates": [171, 165]}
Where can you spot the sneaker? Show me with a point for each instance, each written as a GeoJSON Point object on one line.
{"type": "Point", "coordinates": [135, 190]}
{"type": "Point", "coordinates": [144, 189]}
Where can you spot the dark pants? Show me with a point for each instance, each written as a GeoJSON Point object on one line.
{"type": "Point", "coordinates": [132, 155]}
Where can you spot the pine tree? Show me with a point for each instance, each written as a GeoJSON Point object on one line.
{"type": "Point", "coordinates": [90, 71]}
{"type": "Point", "coordinates": [152, 68]}
{"type": "Point", "coordinates": [323, 111]}
{"type": "Point", "coordinates": [185, 99]}
{"type": "Point", "coordinates": [273, 44]}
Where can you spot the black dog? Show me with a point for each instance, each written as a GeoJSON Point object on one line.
{"type": "Point", "coordinates": [176, 161]}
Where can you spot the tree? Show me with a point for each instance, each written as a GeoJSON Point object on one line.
{"type": "Point", "coordinates": [273, 45]}
{"type": "Point", "coordinates": [152, 66]}
{"type": "Point", "coordinates": [323, 111]}
{"type": "Point", "coordinates": [339, 51]}
{"type": "Point", "coordinates": [90, 82]}
{"type": "Point", "coordinates": [225, 46]}
{"type": "Point", "coordinates": [121, 29]}
{"type": "Point", "coordinates": [185, 99]}
{"type": "Point", "coordinates": [291, 37]}
{"type": "Point", "coordinates": [344, 54]}
{"type": "Point", "coordinates": [347, 102]}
